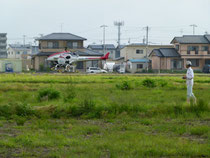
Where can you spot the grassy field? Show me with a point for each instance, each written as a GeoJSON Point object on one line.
{"type": "Point", "coordinates": [62, 115]}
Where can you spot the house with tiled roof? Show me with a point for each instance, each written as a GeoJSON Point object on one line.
{"type": "Point", "coordinates": [58, 42]}
{"type": "Point", "coordinates": [104, 49]}
{"type": "Point", "coordinates": [195, 48]}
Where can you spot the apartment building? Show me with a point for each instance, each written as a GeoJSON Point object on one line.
{"type": "Point", "coordinates": [3, 45]}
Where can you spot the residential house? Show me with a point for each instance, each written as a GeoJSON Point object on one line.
{"type": "Point", "coordinates": [23, 53]}
{"type": "Point", "coordinates": [58, 42]}
{"type": "Point", "coordinates": [118, 51]}
{"type": "Point", "coordinates": [3, 45]}
{"type": "Point", "coordinates": [165, 59]}
{"type": "Point", "coordinates": [16, 51]}
{"type": "Point", "coordinates": [104, 49]}
{"type": "Point", "coordinates": [195, 48]}
{"type": "Point", "coordinates": [136, 56]}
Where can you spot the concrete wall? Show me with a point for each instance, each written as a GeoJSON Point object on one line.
{"type": "Point", "coordinates": [133, 67]}
{"type": "Point", "coordinates": [16, 65]}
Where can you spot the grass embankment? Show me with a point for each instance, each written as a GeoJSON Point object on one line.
{"type": "Point", "coordinates": [102, 116]}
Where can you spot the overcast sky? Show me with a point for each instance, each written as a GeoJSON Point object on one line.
{"type": "Point", "coordinates": [166, 19]}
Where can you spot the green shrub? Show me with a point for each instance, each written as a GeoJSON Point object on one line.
{"type": "Point", "coordinates": [125, 85]}
{"type": "Point", "coordinates": [86, 107]}
{"type": "Point", "coordinates": [48, 94]}
{"type": "Point", "coordinates": [20, 121]}
{"type": "Point", "coordinates": [199, 107]}
{"type": "Point", "coordinates": [149, 83]}
{"type": "Point", "coordinates": [199, 131]}
{"type": "Point", "coordinates": [70, 92]}
{"type": "Point", "coordinates": [24, 110]}
{"type": "Point", "coordinates": [163, 83]}
{"type": "Point", "coordinates": [5, 111]}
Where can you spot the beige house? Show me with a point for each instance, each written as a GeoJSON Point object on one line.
{"type": "Point", "coordinates": [195, 48]}
{"type": "Point", "coordinates": [58, 42]}
{"type": "Point", "coordinates": [23, 53]}
{"type": "Point", "coordinates": [136, 56]}
{"type": "Point", "coordinates": [138, 50]}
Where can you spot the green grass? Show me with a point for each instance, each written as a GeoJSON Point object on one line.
{"type": "Point", "coordinates": [56, 115]}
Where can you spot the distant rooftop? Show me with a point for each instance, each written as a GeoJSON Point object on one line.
{"type": "Point", "coordinates": [144, 60]}
{"type": "Point", "coordinates": [101, 46]}
{"type": "Point", "coordinates": [20, 46]}
{"type": "Point", "coordinates": [166, 52]}
{"type": "Point", "coordinates": [61, 36]}
{"type": "Point", "coordinates": [84, 52]}
{"type": "Point", "coordinates": [192, 39]}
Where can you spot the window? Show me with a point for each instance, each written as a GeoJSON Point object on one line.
{"type": "Point", "coordinates": [139, 66]}
{"type": "Point", "coordinates": [53, 45]}
{"type": "Point", "coordinates": [79, 65]}
{"type": "Point", "coordinates": [192, 48]}
{"type": "Point", "coordinates": [95, 63]}
{"type": "Point", "coordinates": [204, 48]}
{"type": "Point", "coordinates": [18, 52]}
{"type": "Point", "coordinates": [195, 62]}
{"type": "Point", "coordinates": [177, 47]}
{"type": "Point", "coordinates": [69, 44]}
{"type": "Point", "coordinates": [50, 45]}
{"type": "Point", "coordinates": [75, 45]}
{"type": "Point", "coordinates": [139, 51]}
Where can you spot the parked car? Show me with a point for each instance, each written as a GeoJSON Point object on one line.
{"type": "Point", "coordinates": [206, 69]}
{"type": "Point", "coordinates": [95, 70]}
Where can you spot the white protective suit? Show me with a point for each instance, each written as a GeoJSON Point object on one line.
{"type": "Point", "coordinates": [189, 80]}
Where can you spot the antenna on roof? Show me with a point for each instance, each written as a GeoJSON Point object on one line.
{"type": "Point", "coordinates": [193, 25]}
{"type": "Point", "coordinates": [61, 27]}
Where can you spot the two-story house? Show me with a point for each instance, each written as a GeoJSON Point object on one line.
{"type": "Point", "coordinates": [58, 42]}
{"type": "Point", "coordinates": [136, 55]}
{"type": "Point", "coordinates": [3, 45]}
{"type": "Point", "coordinates": [195, 48]}
{"type": "Point", "coordinates": [104, 49]}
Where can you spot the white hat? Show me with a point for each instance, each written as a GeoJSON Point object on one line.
{"type": "Point", "coordinates": [188, 63]}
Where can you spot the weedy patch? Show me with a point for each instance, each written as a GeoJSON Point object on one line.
{"type": "Point", "coordinates": [125, 85]}
{"type": "Point", "coordinates": [199, 130]}
{"type": "Point", "coordinates": [48, 94]}
{"type": "Point", "coordinates": [150, 83]}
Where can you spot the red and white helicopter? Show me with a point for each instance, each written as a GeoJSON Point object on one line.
{"type": "Point", "coordinates": [64, 60]}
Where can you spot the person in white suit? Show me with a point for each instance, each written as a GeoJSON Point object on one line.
{"type": "Point", "coordinates": [189, 81]}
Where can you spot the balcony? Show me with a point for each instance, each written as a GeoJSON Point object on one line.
{"type": "Point", "coordinates": [3, 38]}
{"type": "Point", "coordinates": [3, 50]}
{"type": "Point", "coordinates": [3, 44]}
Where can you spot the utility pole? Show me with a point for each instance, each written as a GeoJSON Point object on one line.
{"type": "Point", "coordinates": [24, 36]}
{"type": "Point", "coordinates": [181, 31]}
{"type": "Point", "coordinates": [118, 24]}
{"type": "Point", "coordinates": [147, 39]}
{"type": "Point", "coordinates": [104, 27]}
{"type": "Point", "coordinates": [194, 26]}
